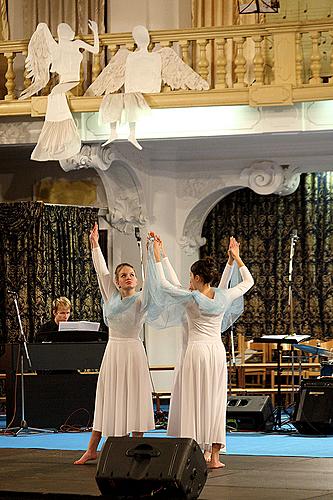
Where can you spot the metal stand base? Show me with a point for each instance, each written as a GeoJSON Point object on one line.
{"type": "Point", "coordinates": [25, 429]}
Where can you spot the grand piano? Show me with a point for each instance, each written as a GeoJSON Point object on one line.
{"type": "Point", "coordinates": [60, 385]}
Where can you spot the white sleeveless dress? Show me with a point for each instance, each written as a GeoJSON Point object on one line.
{"type": "Point", "coordinates": [124, 394]}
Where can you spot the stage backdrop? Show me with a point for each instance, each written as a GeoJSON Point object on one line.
{"type": "Point", "coordinates": [264, 224]}
{"type": "Point", "coordinates": [45, 253]}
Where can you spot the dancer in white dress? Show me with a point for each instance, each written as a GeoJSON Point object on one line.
{"type": "Point", "coordinates": [199, 397]}
{"type": "Point", "coordinates": [123, 402]}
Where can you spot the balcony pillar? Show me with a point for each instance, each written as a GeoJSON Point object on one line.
{"type": "Point", "coordinates": [10, 77]}
{"type": "Point", "coordinates": [315, 59]}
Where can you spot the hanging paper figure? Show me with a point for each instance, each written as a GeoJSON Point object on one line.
{"type": "Point", "coordinates": [59, 138]}
{"type": "Point", "coordinates": [140, 72]}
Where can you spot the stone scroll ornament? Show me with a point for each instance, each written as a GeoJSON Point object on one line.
{"type": "Point", "coordinates": [59, 138]}
{"type": "Point", "coordinates": [139, 72]}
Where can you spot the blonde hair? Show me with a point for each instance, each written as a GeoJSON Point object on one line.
{"type": "Point", "coordinates": [61, 301]}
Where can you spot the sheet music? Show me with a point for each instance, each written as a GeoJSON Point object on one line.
{"type": "Point", "coordinates": [79, 326]}
{"type": "Point", "coordinates": [296, 338]}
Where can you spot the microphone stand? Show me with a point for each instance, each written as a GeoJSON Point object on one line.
{"type": "Point", "coordinates": [294, 238]}
{"type": "Point", "coordinates": [23, 349]}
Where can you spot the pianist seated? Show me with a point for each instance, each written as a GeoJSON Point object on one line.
{"type": "Point", "coordinates": [61, 310]}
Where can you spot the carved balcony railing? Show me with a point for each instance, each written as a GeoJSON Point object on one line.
{"type": "Point", "coordinates": [258, 65]}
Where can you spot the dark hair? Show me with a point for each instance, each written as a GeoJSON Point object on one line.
{"type": "Point", "coordinates": [119, 268]}
{"type": "Point", "coordinates": [206, 269]}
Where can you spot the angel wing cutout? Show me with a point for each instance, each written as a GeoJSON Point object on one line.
{"type": "Point", "coordinates": [112, 77]}
{"type": "Point", "coordinates": [177, 74]}
{"type": "Point", "coordinates": [39, 59]}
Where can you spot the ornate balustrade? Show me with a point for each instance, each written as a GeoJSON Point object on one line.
{"type": "Point", "coordinates": [258, 65]}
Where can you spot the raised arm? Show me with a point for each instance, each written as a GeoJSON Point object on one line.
{"type": "Point", "coordinates": [105, 281]}
{"type": "Point", "coordinates": [160, 275]}
{"type": "Point", "coordinates": [86, 46]}
{"type": "Point", "coordinates": [227, 273]}
{"type": "Point", "coordinates": [247, 280]}
{"type": "Point", "coordinates": [169, 271]}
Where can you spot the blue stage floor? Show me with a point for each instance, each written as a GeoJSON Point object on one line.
{"type": "Point", "coordinates": [238, 443]}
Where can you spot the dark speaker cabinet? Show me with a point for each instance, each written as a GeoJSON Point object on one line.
{"type": "Point", "coordinates": [250, 413]}
{"type": "Point", "coordinates": [314, 407]}
{"type": "Point", "coordinates": [172, 468]}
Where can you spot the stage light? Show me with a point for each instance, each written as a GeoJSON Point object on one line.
{"type": "Point", "coordinates": [258, 6]}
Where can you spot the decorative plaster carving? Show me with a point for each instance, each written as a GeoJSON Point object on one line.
{"type": "Point", "coordinates": [263, 177]}
{"type": "Point", "coordinates": [90, 156]}
{"type": "Point", "coordinates": [127, 213]}
{"type": "Point", "coordinates": [198, 187]}
{"type": "Point", "coordinates": [292, 177]}
{"type": "Point", "coordinates": [267, 177]}
{"type": "Point", "coordinates": [15, 132]}
{"type": "Point", "coordinates": [190, 243]}
{"type": "Point", "coordinates": [94, 156]}
{"type": "Point", "coordinates": [122, 187]}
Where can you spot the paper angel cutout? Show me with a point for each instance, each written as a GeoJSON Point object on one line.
{"type": "Point", "coordinates": [59, 138]}
{"type": "Point", "coordinates": [139, 72]}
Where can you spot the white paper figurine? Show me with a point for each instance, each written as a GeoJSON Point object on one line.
{"type": "Point", "coordinates": [139, 72]}
{"type": "Point", "coordinates": [59, 138]}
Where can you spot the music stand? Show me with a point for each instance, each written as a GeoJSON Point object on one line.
{"type": "Point", "coordinates": [23, 349]}
{"type": "Point", "coordinates": [279, 340]}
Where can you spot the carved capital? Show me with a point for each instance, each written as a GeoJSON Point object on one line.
{"type": "Point", "coordinates": [292, 177]}
{"type": "Point", "coordinates": [95, 156]}
{"type": "Point", "coordinates": [90, 156]}
{"type": "Point", "coordinates": [126, 213]}
{"type": "Point", "coordinates": [267, 177]}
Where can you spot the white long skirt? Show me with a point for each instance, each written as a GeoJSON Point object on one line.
{"type": "Point", "coordinates": [199, 399]}
{"type": "Point", "coordinates": [124, 394]}
{"type": "Point", "coordinates": [59, 138]}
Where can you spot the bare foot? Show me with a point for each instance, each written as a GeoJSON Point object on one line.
{"type": "Point", "coordinates": [208, 456]}
{"type": "Point", "coordinates": [88, 455]}
{"type": "Point", "coordinates": [215, 464]}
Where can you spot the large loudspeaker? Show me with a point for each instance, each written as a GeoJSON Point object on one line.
{"type": "Point", "coordinates": [166, 468]}
{"type": "Point", "coordinates": [314, 408]}
{"type": "Point", "coordinates": [250, 413]}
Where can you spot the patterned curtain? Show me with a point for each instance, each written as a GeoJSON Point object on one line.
{"type": "Point", "coordinates": [45, 254]}
{"type": "Point", "coordinates": [264, 224]}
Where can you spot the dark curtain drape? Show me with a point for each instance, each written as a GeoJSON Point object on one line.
{"type": "Point", "coordinates": [263, 225]}
{"type": "Point", "coordinates": [45, 253]}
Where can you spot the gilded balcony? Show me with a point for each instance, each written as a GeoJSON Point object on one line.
{"type": "Point", "coordinates": [256, 65]}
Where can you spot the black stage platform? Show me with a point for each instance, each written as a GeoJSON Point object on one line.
{"type": "Point", "coordinates": [50, 474]}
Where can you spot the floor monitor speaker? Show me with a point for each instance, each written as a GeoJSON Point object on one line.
{"type": "Point", "coordinates": [143, 467]}
{"type": "Point", "coordinates": [250, 413]}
